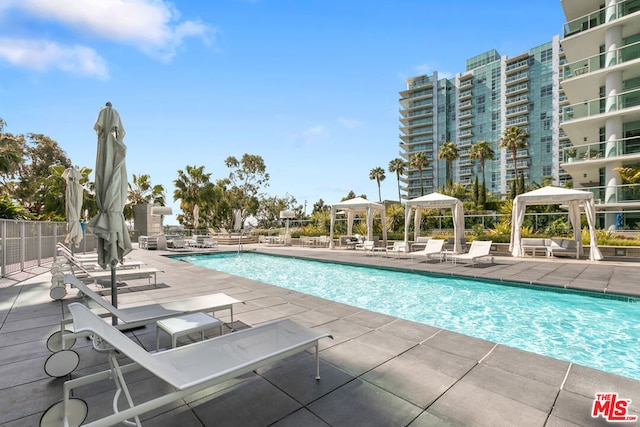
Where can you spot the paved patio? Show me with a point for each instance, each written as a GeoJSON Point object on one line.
{"type": "Point", "coordinates": [377, 371]}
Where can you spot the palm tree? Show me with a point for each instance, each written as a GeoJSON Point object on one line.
{"type": "Point", "coordinates": [449, 152]}
{"type": "Point", "coordinates": [481, 150]}
{"type": "Point", "coordinates": [11, 150]}
{"type": "Point", "coordinates": [420, 161]}
{"type": "Point", "coordinates": [190, 188]}
{"type": "Point", "coordinates": [377, 173]}
{"type": "Point", "coordinates": [514, 139]}
{"type": "Point", "coordinates": [397, 165]}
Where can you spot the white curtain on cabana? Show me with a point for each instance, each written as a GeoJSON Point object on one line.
{"type": "Point", "coordinates": [435, 201]}
{"type": "Point", "coordinates": [576, 200]}
{"type": "Point", "coordinates": [351, 208]}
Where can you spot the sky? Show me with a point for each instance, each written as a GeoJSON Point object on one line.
{"type": "Point", "coordinates": [311, 86]}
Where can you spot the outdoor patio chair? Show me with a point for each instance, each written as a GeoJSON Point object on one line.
{"type": "Point", "coordinates": [187, 370]}
{"type": "Point", "coordinates": [432, 248]}
{"type": "Point", "coordinates": [64, 361]}
{"type": "Point", "coordinates": [397, 249]}
{"type": "Point", "coordinates": [479, 249]}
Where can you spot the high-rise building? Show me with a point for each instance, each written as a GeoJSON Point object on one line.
{"type": "Point", "coordinates": [578, 98]}
{"type": "Point", "coordinates": [601, 79]}
{"type": "Point", "coordinates": [494, 93]}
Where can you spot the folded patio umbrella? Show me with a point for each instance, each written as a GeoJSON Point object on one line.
{"type": "Point", "coordinates": [73, 206]}
{"type": "Point", "coordinates": [111, 194]}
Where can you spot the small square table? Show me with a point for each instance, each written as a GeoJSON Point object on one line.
{"type": "Point", "coordinates": [184, 325]}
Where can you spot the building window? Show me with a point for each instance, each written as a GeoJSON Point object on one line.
{"type": "Point", "coordinates": [546, 170]}
{"type": "Point", "coordinates": [546, 91]}
{"type": "Point", "coordinates": [546, 55]}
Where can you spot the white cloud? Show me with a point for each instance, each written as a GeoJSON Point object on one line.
{"type": "Point", "coordinates": [349, 123]}
{"type": "Point", "coordinates": [152, 26]}
{"type": "Point", "coordinates": [310, 136]}
{"type": "Point", "coordinates": [41, 55]}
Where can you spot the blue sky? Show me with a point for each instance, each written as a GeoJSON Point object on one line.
{"type": "Point", "coordinates": [310, 85]}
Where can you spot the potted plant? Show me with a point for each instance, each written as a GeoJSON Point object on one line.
{"type": "Point", "coordinates": [571, 153]}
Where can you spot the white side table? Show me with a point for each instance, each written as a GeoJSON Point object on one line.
{"type": "Point", "coordinates": [184, 325]}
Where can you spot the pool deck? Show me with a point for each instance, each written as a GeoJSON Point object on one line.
{"type": "Point", "coordinates": [376, 371]}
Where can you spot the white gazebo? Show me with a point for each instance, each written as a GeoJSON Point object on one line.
{"type": "Point", "coordinates": [355, 206]}
{"type": "Point", "coordinates": [576, 200]}
{"type": "Point", "coordinates": [435, 201]}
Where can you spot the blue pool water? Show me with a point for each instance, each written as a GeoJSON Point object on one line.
{"type": "Point", "coordinates": [602, 333]}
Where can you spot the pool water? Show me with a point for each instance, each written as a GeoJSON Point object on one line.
{"type": "Point", "coordinates": [601, 333]}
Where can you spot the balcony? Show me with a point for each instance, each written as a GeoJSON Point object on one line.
{"type": "Point", "coordinates": [629, 193]}
{"type": "Point", "coordinates": [465, 134]}
{"type": "Point", "coordinates": [517, 100]}
{"type": "Point", "coordinates": [465, 95]}
{"type": "Point", "coordinates": [514, 90]}
{"type": "Point", "coordinates": [521, 77]}
{"type": "Point", "coordinates": [516, 111]}
{"type": "Point", "coordinates": [598, 106]}
{"type": "Point", "coordinates": [465, 105]}
{"type": "Point", "coordinates": [464, 124]}
{"type": "Point", "coordinates": [465, 114]}
{"type": "Point", "coordinates": [597, 18]}
{"type": "Point", "coordinates": [466, 84]}
{"type": "Point", "coordinates": [517, 66]}
{"type": "Point", "coordinates": [518, 121]}
{"type": "Point", "coordinates": [601, 61]}
{"type": "Point", "coordinates": [598, 151]}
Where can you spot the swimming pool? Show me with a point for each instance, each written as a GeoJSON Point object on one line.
{"type": "Point", "coordinates": [602, 333]}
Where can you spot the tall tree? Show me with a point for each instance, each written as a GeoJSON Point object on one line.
{"type": "Point", "coordinates": [514, 139]}
{"type": "Point", "coordinates": [420, 161]}
{"type": "Point", "coordinates": [247, 176]}
{"type": "Point", "coordinates": [194, 187]}
{"type": "Point", "coordinates": [11, 151]}
{"type": "Point", "coordinates": [142, 191]}
{"type": "Point", "coordinates": [41, 153]}
{"type": "Point", "coordinates": [449, 152]}
{"type": "Point", "coordinates": [482, 151]}
{"type": "Point", "coordinates": [377, 173]}
{"type": "Point", "coordinates": [398, 167]}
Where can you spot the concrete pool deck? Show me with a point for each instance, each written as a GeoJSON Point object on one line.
{"type": "Point", "coordinates": [377, 371]}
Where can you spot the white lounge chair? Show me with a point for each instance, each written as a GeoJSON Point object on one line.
{"type": "Point", "coordinates": [188, 369]}
{"type": "Point", "coordinates": [432, 249]}
{"type": "Point", "coordinates": [479, 249]}
{"type": "Point", "coordinates": [64, 361]}
{"type": "Point", "coordinates": [398, 248]}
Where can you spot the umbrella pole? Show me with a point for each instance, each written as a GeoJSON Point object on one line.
{"type": "Point", "coordinates": [114, 291]}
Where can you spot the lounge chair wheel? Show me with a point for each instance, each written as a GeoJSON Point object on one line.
{"type": "Point", "coordinates": [61, 363]}
{"type": "Point", "coordinates": [54, 342]}
{"type": "Point", "coordinates": [77, 410]}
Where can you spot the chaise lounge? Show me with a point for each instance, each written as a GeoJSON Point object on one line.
{"type": "Point", "coordinates": [479, 249]}
{"type": "Point", "coordinates": [188, 369]}
{"type": "Point", "coordinates": [64, 361]}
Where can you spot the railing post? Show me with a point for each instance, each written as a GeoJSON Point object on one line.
{"type": "Point", "coordinates": [39, 243]}
{"type": "Point", "coordinates": [22, 245]}
{"type": "Point", "coordinates": [55, 241]}
{"type": "Point", "coordinates": [3, 236]}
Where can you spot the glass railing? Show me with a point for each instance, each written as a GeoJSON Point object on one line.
{"type": "Point", "coordinates": [617, 193]}
{"type": "Point", "coordinates": [420, 112]}
{"type": "Point", "coordinates": [599, 17]}
{"type": "Point", "coordinates": [464, 104]}
{"type": "Point", "coordinates": [600, 150]}
{"type": "Point", "coordinates": [517, 88]}
{"type": "Point", "coordinates": [420, 130]}
{"type": "Point", "coordinates": [598, 62]}
{"type": "Point", "coordinates": [518, 64]}
{"type": "Point", "coordinates": [517, 99]}
{"type": "Point", "coordinates": [517, 109]}
{"type": "Point", "coordinates": [517, 77]}
{"type": "Point", "coordinates": [598, 106]}
{"type": "Point", "coordinates": [421, 81]}
{"type": "Point", "coordinates": [517, 120]}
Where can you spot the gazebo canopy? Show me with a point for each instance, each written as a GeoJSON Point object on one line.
{"type": "Point", "coordinates": [576, 200]}
{"type": "Point", "coordinates": [435, 201]}
{"type": "Point", "coordinates": [354, 206]}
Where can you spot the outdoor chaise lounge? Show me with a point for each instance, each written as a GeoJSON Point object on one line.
{"type": "Point", "coordinates": [65, 361]}
{"type": "Point", "coordinates": [432, 249]}
{"type": "Point", "coordinates": [398, 248]}
{"type": "Point", "coordinates": [188, 369]}
{"type": "Point", "coordinates": [479, 249]}
{"type": "Point", "coordinates": [122, 272]}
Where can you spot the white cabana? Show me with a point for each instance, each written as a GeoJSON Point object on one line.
{"type": "Point", "coordinates": [355, 206]}
{"type": "Point", "coordinates": [576, 200]}
{"type": "Point", "coordinates": [435, 201]}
